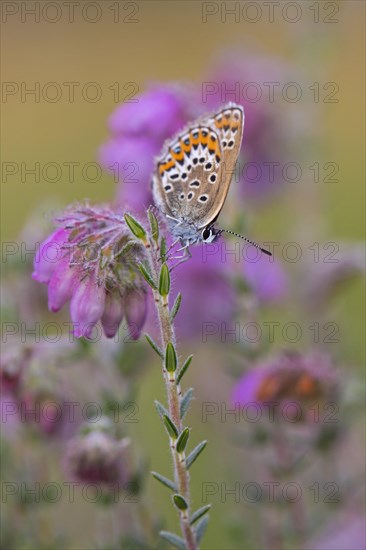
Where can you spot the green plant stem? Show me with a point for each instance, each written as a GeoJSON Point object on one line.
{"type": "Point", "coordinates": [181, 474]}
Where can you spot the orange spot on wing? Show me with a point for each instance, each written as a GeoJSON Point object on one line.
{"type": "Point", "coordinates": [177, 156]}
{"type": "Point", "coordinates": [185, 148]}
{"type": "Point", "coordinates": [213, 145]}
{"type": "Point", "coordinates": [203, 139]}
{"type": "Point", "coordinates": [166, 166]}
{"type": "Point", "coordinates": [195, 141]}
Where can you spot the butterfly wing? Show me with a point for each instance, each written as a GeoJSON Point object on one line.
{"type": "Point", "coordinates": [228, 123]}
{"type": "Point", "coordinates": [186, 179]}
{"type": "Point", "coordinates": [193, 175]}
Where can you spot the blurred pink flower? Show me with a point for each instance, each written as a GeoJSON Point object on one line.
{"type": "Point", "coordinates": [96, 456]}
{"type": "Point", "coordinates": [289, 377]}
{"type": "Point", "coordinates": [208, 294]}
{"type": "Point", "coordinates": [163, 103]}
{"type": "Point", "coordinates": [130, 160]}
{"type": "Point", "coordinates": [266, 278]}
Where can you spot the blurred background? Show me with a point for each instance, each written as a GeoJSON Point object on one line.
{"type": "Point", "coordinates": [72, 81]}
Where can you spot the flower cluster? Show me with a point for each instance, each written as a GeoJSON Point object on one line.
{"type": "Point", "coordinates": [92, 261]}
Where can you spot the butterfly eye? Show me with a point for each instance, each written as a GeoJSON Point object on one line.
{"type": "Point", "coordinates": [206, 234]}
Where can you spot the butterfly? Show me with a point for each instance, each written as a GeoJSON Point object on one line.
{"type": "Point", "coordinates": [192, 176]}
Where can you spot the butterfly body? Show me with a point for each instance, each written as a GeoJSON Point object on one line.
{"type": "Point", "coordinates": [193, 174]}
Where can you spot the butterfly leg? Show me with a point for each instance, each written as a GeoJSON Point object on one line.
{"type": "Point", "coordinates": [167, 256]}
{"type": "Point", "coordinates": [172, 245]}
{"type": "Point", "coordinates": [184, 257]}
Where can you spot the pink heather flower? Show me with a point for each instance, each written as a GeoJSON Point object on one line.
{"type": "Point", "coordinates": [289, 377]}
{"type": "Point", "coordinates": [266, 278]}
{"type": "Point", "coordinates": [92, 270]}
{"type": "Point", "coordinates": [98, 457]}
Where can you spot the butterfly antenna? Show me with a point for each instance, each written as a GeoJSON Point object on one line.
{"type": "Point", "coordinates": [247, 240]}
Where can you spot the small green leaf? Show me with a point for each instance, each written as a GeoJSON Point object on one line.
{"type": "Point", "coordinates": [180, 502]}
{"type": "Point", "coordinates": [135, 227]}
{"type": "Point", "coordinates": [192, 457]}
{"type": "Point", "coordinates": [184, 368]}
{"type": "Point", "coordinates": [154, 346]}
{"type": "Point", "coordinates": [165, 481]}
{"type": "Point", "coordinates": [182, 440]}
{"type": "Point", "coordinates": [175, 308]}
{"type": "Point", "coordinates": [198, 514]}
{"type": "Point", "coordinates": [201, 529]}
{"type": "Point", "coordinates": [170, 358]}
{"type": "Point", "coordinates": [147, 276]}
{"type": "Point", "coordinates": [162, 249]}
{"type": "Point", "coordinates": [161, 409]}
{"type": "Point", "coordinates": [164, 280]}
{"type": "Point", "coordinates": [154, 225]}
{"type": "Point", "coordinates": [186, 400]}
{"type": "Point", "coordinates": [170, 427]}
{"type": "Point", "coordinates": [176, 541]}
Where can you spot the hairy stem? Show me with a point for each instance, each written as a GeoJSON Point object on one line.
{"type": "Point", "coordinates": [181, 474]}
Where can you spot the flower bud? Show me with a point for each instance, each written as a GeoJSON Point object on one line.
{"type": "Point", "coordinates": [61, 285]}
{"type": "Point", "coordinates": [136, 311]}
{"type": "Point", "coordinates": [113, 314]}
